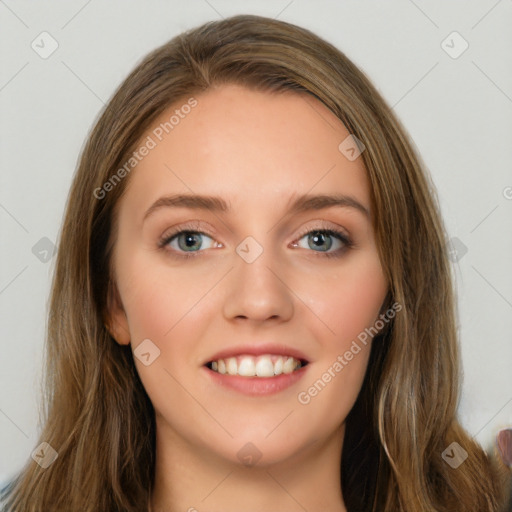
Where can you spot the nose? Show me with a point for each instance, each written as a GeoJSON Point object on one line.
{"type": "Point", "coordinates": [259, 290]}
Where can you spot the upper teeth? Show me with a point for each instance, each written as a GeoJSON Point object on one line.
{"type": "Point", "coordinates": [266, 365]}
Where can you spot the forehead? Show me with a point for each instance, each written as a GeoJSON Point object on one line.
{"type": "Point", "coordinates": [247, 146]}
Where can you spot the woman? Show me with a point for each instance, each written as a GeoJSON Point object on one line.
{"type": "Point", "coordinates": [256, 372]}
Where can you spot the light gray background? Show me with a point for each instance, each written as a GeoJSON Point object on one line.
{"type": "Point", "coordinates": [458, 112]}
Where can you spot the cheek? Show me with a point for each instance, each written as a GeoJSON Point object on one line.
{"type": "Point", "coordinates": [349, 308]}
{"type": "Point", "coordinates": [348, 301]}
{"type": "Point", "coordinates": [332, 389]}
{"type": "Point", "coordinates": [150, 312]}
{"type": "Point", "coordinates": [158, 300]}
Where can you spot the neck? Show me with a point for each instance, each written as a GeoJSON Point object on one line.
{"type": "Point", "coordinates": [191, 479]}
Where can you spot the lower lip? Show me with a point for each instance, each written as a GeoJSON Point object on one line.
{"type": "Point", "coordinates": [257, 386]}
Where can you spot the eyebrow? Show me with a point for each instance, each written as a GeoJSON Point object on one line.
{"type": "Point", "coordinates": [301, 204]}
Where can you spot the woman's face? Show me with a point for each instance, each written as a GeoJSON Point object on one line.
{"type": "Point", "coordinates": [250, 286]}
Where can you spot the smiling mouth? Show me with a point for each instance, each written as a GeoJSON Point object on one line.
{"type": "Point", "coordinates": [267, 365]}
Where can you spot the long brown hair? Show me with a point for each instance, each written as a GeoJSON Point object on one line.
{"type": "Point", "coordinates": [97, 415]}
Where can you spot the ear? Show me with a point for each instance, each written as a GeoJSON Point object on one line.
{"type": "Point", "coordinates": [386, 306]}
{"type": "Point", "coordinates": [116, 321]}
{"type": "Point", "coordinates": [387, 303]}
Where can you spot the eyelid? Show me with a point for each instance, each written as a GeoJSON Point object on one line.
{"type": "Point", "coordinates": [197, 227]}
{"type": "Point", "coordinates": [324, 225]}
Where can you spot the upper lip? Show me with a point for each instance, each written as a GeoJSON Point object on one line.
{"type": "Point", "coordinates": [257, 350]}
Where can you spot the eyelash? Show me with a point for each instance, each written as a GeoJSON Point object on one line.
{"type": "Point", "coordinates": [195, 229]}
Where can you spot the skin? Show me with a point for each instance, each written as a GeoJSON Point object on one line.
{"type": "Point", "coordinates": [257, 151]}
